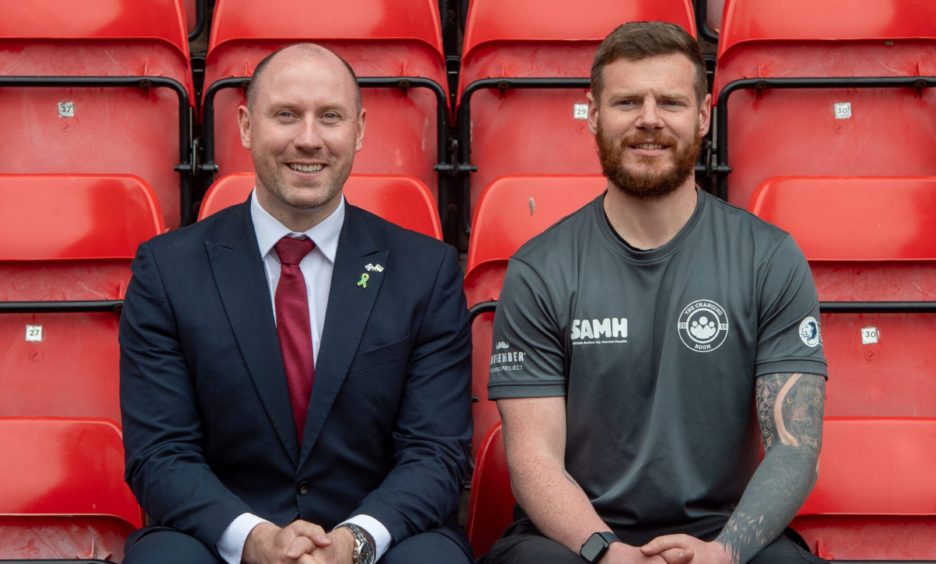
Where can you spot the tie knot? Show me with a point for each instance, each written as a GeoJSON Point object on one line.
{"type": "Point", "coordinates": [291, 250]}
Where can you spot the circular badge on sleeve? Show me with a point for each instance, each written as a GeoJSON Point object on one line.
{"type": "Point", "coordinates": [809, 332]}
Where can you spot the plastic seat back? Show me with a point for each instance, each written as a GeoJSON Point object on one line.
{"type": "Point", "coordinates": [875, 499]}
{"type": "Point", "coordinates": [66, 243]}
{"type": "Point", "coordinates": [64, 496]}
{"type": "Point", "coordinates": [401, 200]}
{"type": "Point", "coordinates": [490, 507]}
{"type": "Point", "coordinates": [868, 240]}
{"type": "Point", "coordinates": [512, 211]}
{"type": "Point", "coordinates": [875, 130]}
{"type": "Point", "coordinates": [378, 38]}
{"type": "Point", "coordinates": [537, 128]}
{"type": "Point", "coordinates": [93, 128]}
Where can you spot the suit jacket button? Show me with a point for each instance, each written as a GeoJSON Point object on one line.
{"type": "Point", "coordinates": [303, 487]}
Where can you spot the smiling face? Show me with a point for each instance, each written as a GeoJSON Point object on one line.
{"type": "Point", "coordinates": [649, 124]}
{"type": "Point", "coordinates": [302, 127]}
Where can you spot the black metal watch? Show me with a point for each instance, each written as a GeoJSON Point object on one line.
{"type": "Point", "coordinates": [597, 545]}
{"type": "Point", "coordinates": [364, 550]}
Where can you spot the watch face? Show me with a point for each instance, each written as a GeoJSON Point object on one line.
{"type": "Point", "coordinates": [594, 548]}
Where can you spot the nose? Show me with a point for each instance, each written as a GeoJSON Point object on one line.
{"type": "Point", "coordinates": [649, 117]}
{"type": "Point", "coordinates": [308, 136]}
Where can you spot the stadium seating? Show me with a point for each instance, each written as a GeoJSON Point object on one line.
{"type": "Point", "coordinates": [512, 210]}
{"type": "Point", "coordinates": [399, 199]}
{"type": "Point", "coordinates": [875, 499]}
{"type": "Point", "coordinates": [795, 98]}
{"type": "Point", "coordinates": [100, 87]}
{"type": "Point", "coordinates": [66, 242]}
{"type": "Point", "coordinates": [524, 76]}
{"type": "Point", "coordinates": [63, 492]}
{"type": "Point", "coordinates": [389, 43]}
{"type": "Point", "coordinates": [490, 506]}
{"type": "Point", "coordinates": [870, 244]}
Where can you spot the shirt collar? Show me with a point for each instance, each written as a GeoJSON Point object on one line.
{"type": "Point", "coordinates": [269, 230]}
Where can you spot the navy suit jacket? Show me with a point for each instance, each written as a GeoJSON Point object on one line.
{"type": "Point", "coordinates": [207, 422]}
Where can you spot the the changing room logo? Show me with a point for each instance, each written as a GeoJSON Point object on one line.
{"type": "Point", "coordinates": [703, 326]}
{"type": "Point", "coordinates": [599, 331]}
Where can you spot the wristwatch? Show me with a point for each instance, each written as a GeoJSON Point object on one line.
{"type": "Point", "coordinates": [597, 545]}
{"type": "Point", "coordinates": [364, 550]}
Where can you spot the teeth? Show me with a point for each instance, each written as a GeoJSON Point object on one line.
{"type": "Point", "coordinates": [654, 146]}
{"type": "Point", "coordinates": [306, 168]}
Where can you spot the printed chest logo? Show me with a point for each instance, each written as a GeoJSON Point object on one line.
{"type": "Point", "coordinates": [703, 326]}
{"type": "Point", "coordinates": [609, 330]}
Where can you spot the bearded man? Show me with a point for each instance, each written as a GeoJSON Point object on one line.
{"type": "Point", "coordinates": [658, 328]}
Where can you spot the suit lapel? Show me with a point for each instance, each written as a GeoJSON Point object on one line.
{"type": "Point", "coordinates": [350, 301]}
{"type": "Point", "coordinates": [242, 284]}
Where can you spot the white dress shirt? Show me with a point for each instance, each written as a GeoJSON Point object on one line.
{"type": "Point", "coordinates": [316, 267]}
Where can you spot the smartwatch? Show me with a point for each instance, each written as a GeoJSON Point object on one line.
{"type": "Point", "coordinates": [597, 545]}
{"type": "Point", "coordinates": [364, 551]}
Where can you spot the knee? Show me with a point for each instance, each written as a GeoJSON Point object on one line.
{"type": "Point", "coordinates": [430, 547]}
{"type": "Point", "coordinates": [156, 545]}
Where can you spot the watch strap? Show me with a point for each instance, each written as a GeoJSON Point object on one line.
{"type": "Point", "coordinates": [365, 551]}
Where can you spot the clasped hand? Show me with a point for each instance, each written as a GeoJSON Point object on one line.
{"type": "Point", "coordinates": [686, 549]}
{"type": "Point", "coordinates": [300, 542]}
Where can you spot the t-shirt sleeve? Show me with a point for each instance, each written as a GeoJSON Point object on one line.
{"type": "Point", "coordinates": [527, 358]}
{"type": "Point", "coordinates": [789, 337]}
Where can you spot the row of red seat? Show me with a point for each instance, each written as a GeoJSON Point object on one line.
{"type": "Point", "coordinates": [91, 88]}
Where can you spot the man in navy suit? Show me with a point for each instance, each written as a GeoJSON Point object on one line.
{"type": "Point", "coordinates": [230, 457]}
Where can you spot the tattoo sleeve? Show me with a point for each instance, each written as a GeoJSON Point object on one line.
{"type": "Point", "coordinates": [789, 409]}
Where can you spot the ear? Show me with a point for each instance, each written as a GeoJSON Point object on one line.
{"type": "Point", "coordinates": [361, 125]}
{"type": "Point", "coordinates": [592, 113]}
{"type": "Point", "coordinates": [705, 115]}
{"type": "Point", "coordinates": [243, 122]}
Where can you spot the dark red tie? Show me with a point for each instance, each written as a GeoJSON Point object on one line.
{"type": "Point", "coordinates": [293, 326]}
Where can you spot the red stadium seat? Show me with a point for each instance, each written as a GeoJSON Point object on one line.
{"type": "Point", "coordinates": [870, 244]}
{"type": "Point", "coordinates": [383, 40]}
{"type": "Point", "coordinates": [782, 114]}
{"type": "Point", "coordinates": [875, 499]}
{"type": "Point", "coordinates": [96, 87]}
{"type": "Point", "coordinates": [524, 76]}
{"type": "Point", "coordinates": [402, 200]}
{"type": "Point", "coordinates": [490, 506]}
{"type": "Point", "coordinates": [511, 211]}
{"type": "Point", "coordinates": [66, 243]}
{"type": "Point", "coordinates": [514, 209]}
{"type": "Point", "coordinates": [63, 492]}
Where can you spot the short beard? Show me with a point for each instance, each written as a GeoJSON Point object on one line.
{"type": "Point", "coordinates": [645, 186]}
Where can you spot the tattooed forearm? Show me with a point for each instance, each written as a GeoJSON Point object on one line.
{"type": "Point", "coordinates": [789, 409]}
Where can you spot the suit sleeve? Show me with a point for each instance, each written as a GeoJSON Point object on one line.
{"type": "Point", "coordinates": [433, 428]}
{"type": "Point", "coordinates": [165, 465]}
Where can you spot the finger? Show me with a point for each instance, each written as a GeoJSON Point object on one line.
{"type": "Point", "coordinates": [308, 559]}
{"type": "Point", "coordinates": [300, 545]}
{"type": "Point", "coordinates": [660, 544]}
{"type": "Point", "coordinates": [315, 533]}
{"type": "Point", "coordinates": [677, 555]}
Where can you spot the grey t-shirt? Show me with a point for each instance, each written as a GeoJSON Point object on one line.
{"type": "Point", "coordinates": [657, 353]}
